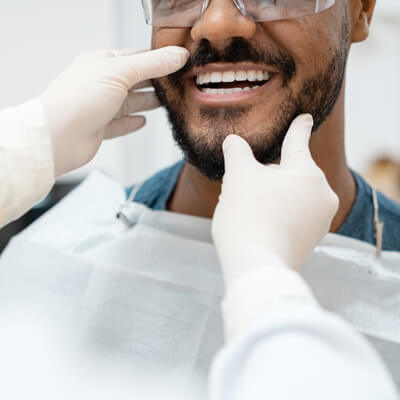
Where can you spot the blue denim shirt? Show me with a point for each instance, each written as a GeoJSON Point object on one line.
{"type": "Point", "coordinates": [156, 191]}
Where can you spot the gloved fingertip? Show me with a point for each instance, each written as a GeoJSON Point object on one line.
{"type": "Point", "coordinates": [236, 144]}
{"type": "Point", "coordinates": [306, 119]}
{"type": "Point", "coordinates": [178, 55]}
{"type": "Point", "coordinates": [299, 132]}
{"type": "Point", "coordinates": [302, 124]}
{"type": "Point", "coordinates": [308, 123]}
{"type": "Point", "coordinates": [229, 142]}
{"type": "Point", "coordinates": [236, 151]}
{"type": "Point", "coordinates": [295, 148]}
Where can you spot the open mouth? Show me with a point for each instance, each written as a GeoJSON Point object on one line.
{"type": "Point", "coordinates": [228, 82]}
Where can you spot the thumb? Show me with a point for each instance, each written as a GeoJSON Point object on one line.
{"type": "Point", "coordinates": [295, 148]}
{"type": "Point", "coordinates": [237, 153]}
{"type": "Point", "coordinates": [154, 63]}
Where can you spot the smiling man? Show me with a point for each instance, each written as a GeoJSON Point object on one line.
{"type": "Point", "coordinates": [254, 66]}
{"type": "Point", "coordinates": [149, 297]}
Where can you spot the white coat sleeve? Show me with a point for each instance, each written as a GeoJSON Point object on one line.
{"type": "Point", "coordinates": [26, 160]}
{"type": "Point", "coordinates": [293, 349]}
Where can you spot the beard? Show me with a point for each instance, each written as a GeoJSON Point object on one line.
{"type": "Point", "coordinates": [317, 96]}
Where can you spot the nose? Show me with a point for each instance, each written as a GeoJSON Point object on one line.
{"type": "Point", "coordinates": [221, 22]}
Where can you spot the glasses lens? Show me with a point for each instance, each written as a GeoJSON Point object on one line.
{"type": "Point", "coordinates": [172, 13]}
{"type": "Point", "coordinates": [270, 10]}
{"type": "Point", "coordinates": [185, 13]}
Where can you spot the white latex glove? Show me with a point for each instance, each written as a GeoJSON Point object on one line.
{"type": "Point", "coordinates": [95, 97]}
{"type": "Point", "coordinates": [271, 214]}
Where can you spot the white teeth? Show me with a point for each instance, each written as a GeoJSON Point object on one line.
{"type": "Point", "coordinates": [228, 76]}
{"type": "Point", "coordinates": [241, 76]}
{"type": "Point", "coordinates": [251, 76]}
{"type": "Point", "coordinates": [232, 76]}
{"type": "Point", "coordinates": [216, 77]}
{"type": "Point", "coordinates": [227, 91]}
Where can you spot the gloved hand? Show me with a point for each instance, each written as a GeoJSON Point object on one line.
{"type": "Point", "coordinates": [271, 214]}
{"type": "Point", "coordinates": [95, 97]}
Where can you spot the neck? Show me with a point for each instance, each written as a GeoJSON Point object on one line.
{"type": "Point", "coordinates": [196, 195]}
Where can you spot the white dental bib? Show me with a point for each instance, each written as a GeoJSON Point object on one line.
{"type": "Point", "coordinates": [149, 295]}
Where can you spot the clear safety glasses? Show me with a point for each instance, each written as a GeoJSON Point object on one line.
{"type": "Point", "coordinates": [185, 13]}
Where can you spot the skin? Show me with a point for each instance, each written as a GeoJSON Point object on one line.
{"type": "Point", "coordinates": [310, 41]}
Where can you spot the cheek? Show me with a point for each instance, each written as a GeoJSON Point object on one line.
{"type": "Point", "coordinates": [311, 41]}
{"type": "Point", "coordinates": [170, 95]}
{"type": "Point", "coordinates": [162, 37]}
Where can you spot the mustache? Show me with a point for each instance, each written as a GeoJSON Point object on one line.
{"type": "Point", "coordinates": [239, 50]}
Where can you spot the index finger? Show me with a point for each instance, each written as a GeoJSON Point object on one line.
{"type": "Point", "coordinates": [155, 63]}
{"type": "Point", "coordinates": [295, 148]}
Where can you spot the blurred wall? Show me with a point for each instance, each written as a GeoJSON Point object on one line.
{"type": "Point", "coordinates": [373, 90]}
{"type": "Point", "coordinates": [38, 39]}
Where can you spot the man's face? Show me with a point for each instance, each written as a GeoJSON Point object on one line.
{"type": "Point", "coordinates": [299, 66]}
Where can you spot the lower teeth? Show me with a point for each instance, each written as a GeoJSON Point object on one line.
{"type": "Point", "coordinates": [227, 91]}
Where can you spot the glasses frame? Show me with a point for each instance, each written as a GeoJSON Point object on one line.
{"type": "Point", "coordinates": [239, 5]}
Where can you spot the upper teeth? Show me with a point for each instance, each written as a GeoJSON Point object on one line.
{"type": "Point", "coordinates": [232, 76]}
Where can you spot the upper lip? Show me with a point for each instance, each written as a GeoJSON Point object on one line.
{"type": "Point", "coordinates": [221, 67]}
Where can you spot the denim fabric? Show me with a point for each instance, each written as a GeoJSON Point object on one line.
{"type": "Point", "coordinates": [359, 224]}
{"type": "Point", "coordinates": [156, 191]}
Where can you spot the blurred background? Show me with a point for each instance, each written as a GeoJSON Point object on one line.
{"type": "Point", "coordinates": [41, 38]}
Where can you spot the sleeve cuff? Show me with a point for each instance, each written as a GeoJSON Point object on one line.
{"type": "Point", "coordinates": [26, 159]}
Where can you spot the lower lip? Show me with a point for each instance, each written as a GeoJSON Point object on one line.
{"type": "Point", "coordinates": [227, 99]}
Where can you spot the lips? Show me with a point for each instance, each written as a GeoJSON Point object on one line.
{"type": "Point", "coordinates": [232, 76]}
{"type": "Point", "coordinates": [227, 82]}
{"type": "Point", "coordinates": [229, 96]}
{"type": "Point", "coordinates": [220, 83]}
